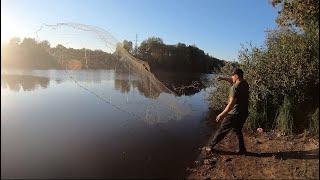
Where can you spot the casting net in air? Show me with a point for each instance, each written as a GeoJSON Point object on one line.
{"type": "Point", "coordinates": [81, 49]}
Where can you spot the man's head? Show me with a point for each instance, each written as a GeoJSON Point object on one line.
{"type": "Point", "coordinates": [237, 74]}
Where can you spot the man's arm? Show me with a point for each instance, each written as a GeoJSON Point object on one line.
{"type": "Point", "coordinates": [225, 79]}
{"type": "Point", "coordinates": [232, 101]}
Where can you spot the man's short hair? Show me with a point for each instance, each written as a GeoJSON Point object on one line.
{"type": "Point", "coordinates": [238, 72]}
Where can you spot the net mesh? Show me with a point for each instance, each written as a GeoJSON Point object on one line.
{"type": "Point", "coordinates": [79, 46]}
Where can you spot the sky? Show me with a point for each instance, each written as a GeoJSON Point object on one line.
{"type": "Point", "coordinates": [218, 27]}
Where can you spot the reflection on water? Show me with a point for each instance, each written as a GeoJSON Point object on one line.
{"type": "Point", "coordinates": [51, 128]}
{"type": "Point", "coordinates": [27, 82]}
{"type": "Point", "coordinates": [123, 81]}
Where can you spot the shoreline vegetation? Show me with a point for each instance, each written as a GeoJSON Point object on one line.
{"type": "Point", "coordinates": [31, 54]}
{"type": "Point", "coordinates": [282, 131]}
{"type": "Point", "coordinates": [283, 75]}
{"type": "Point", "coordinates": [161, 58]}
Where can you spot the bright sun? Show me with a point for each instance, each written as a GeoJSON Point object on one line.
{"type": "Point", "coordinates": [8, 28]}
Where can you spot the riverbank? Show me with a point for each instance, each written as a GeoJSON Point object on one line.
{"type": "Point", "coordinates": [271, 155]}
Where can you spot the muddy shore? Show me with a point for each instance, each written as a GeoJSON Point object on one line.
{"type": "Point", "coordinates": [270, 155]}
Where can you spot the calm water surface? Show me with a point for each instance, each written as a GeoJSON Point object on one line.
{"type": "Point", "coordinates": [52, 128]}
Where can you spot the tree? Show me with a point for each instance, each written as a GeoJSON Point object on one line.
{"type": "Point", "coordinates": [303, 14]}
{"type": "Point", "coordinates": [45, 45]}
{"type": "Point", "coordinates": [14, 42]}
{"type": "Point", "coordinates": [127, 45]}
{"type": "Point", "coordinates": [283, 74]}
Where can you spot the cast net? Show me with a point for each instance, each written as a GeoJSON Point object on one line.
{"type": "Point", "coordinates": [81, 49]}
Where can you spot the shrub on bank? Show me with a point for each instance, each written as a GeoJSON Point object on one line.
{"type": "Point", "coordinates": [283, 75]}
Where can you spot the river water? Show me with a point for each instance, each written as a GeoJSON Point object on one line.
{"type": "Point", "coordinates": [52, 128]}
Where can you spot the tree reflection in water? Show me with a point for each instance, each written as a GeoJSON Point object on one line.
{"type": "Point", "coordinates": [180, 83]}
{"type": "Point", "coordinates": [26, 82]}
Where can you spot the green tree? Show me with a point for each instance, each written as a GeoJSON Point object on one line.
{"type": "Point", "coordinates": [303, 14]}
{"type": "Point", "coordinates": [284, 73]}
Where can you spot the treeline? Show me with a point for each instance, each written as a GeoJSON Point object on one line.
{"type": "Point", "coordinates": [283, 74]}
{"type": "Point", "coordinates": [91, 59]}
{"type": "Point", "coordinates": [179, 57]}
{"type": "Point", "coordinates": [27, 54]}
{"type": "Point", "coordinates": [32, 54]}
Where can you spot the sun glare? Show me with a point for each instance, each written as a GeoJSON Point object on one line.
{"type": "Point", "coordinates": [8, 28]}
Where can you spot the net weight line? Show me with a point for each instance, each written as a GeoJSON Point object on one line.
{"type": "Point", "coordinates": [102, 98]}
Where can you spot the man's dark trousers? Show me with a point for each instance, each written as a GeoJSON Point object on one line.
{"type": "Point", "coordinates": [232, 122]}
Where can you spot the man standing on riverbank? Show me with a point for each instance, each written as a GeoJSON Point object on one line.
{"type": "Point", "coordinates": [236, 112]}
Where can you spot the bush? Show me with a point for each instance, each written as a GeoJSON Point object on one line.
{"type": "Point", "coordinates": [284, 81]}
{"type": "Point", "coordinates": [285, 117]}
{"type": "Point", "coordinates": [314, 123]}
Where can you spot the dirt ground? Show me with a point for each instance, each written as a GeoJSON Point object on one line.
{"type": "Point", "coordinates": [270, 155]}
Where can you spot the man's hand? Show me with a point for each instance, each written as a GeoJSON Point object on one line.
{"type": "Point", "coordinates": [219, 78]}
{"type": "Point", "coordinates": [219, 117]}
